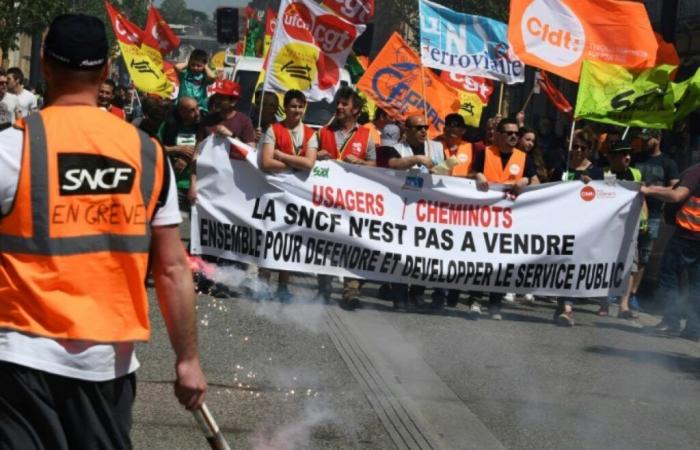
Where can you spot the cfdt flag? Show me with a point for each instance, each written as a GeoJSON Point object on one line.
{"type": "Point", "coordinates": [146, 74]}
{"type": "Point", "coordinates": [159, 39]}
{"type": "Point", "coordinates": [398, 83]}
{"type": "Point", "coordinates": [463, 43]}
{"type": "Point", "coordinates": [354, 11]}
{"type": "Point", "coordinates": [558, 35]}
{"type": "Point", "coordinates": [309, 47]}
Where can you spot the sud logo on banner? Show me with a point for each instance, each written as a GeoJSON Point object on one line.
{"type": "Point", "coordinates": [557, 35]}
{"type": "Point", "coordinates": [468, 44]}
{"type": "Point", "coordinates": [309, 47]}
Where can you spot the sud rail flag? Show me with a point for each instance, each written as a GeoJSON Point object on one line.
{"type": "Point", "coordinates": [309, 47]}
{"type": "Point", "coordinates": [146, 74]}
{"type": "Point", "coordinates": [343, 219]}
{"type": "Point", "coordinates": [468, 44]}
{"type": "Point", "coordinates": [557, 35]}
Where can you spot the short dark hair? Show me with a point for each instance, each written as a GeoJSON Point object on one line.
{"type": "Point", "coordinates": [198, 55]}
{"type": "Point", "coordinates": [294, 94]}
{"type": "Point", "coordinates": [454, 119]}
{"type": "Point", "coordinates": [379, 113]}
{"type": "Point", "coordinates": [17, 74]}
{"type": "Point", "coordinates": [348, 93]}
{"type": "Point", "coordinates": [110, 82]}
{"type": "Point", "coordinates": [506, 121]}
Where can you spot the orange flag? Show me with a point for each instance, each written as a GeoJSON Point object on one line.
{"type": "Point", "coordinates": [557, 35]}
{"type": "Point", "coordinates": [394, 82]}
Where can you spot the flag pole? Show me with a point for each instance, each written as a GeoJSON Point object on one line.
{"type": "Point", "coordinates": [425, 107]}
{"type": "Point", "coordinates": [500, 100]}
{"type": "Point", "coordinates": [529, 97]}
{"type": "Point", "coordinates": [624, 135]}
{"type": "Point", "coordinates": [565, 177]}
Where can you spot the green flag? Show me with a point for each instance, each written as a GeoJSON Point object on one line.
{"type": "Point", "coordinates": [613, 94]}
{"type": "Point", "coordinates": [686, 96]}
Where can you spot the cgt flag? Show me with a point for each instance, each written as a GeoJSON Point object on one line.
{"type": "Point", "coordinates": [558, 35]}
{"type": "Point", "coordinates": [555, 96]}
{"type": "Point", "coordinates": [467, 44]}
{"type": "Point", "coordinates": [309, 47]}
{"type": "Point", "coordinates": [159, 39]}
{"type": "Point", "coordinates": [393, 81]}
{"type": "Point", "coordinates": [354, 11]}
{"type": "Point", "coordinates": [613, 94]}
{"type": "Point", "coordinates": [146, 74]}
{"type": "Point", "coordinates": [483, 87]}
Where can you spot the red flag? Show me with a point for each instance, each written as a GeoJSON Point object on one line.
{"type": "Point", "coordinates": [158, 34]}
{"type": "Point", "coordinates": [555, 96]}
{"type": "Point", "coordinates": [354, 11]}
{"type": "Point", "coordinates": [124, 30]}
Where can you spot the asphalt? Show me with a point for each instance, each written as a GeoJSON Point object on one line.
{"type": "Point", "coordinates": [309, 375]}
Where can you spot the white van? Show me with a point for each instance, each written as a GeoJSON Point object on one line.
{"type": "Point", "coordinates": [246, 70]}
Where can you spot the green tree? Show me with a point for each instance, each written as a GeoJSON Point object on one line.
{"type": "Point", "coordinates": [175, 11]}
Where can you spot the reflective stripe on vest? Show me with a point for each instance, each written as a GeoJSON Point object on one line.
{"type": "Point", "coordinates": [464, 155]}
{"type": "Point", "coordinates": [688, 216]}
{"type": "Point", "coordinates": [40, 243]}
{"type": "Point", "coordinates": [512, 172]}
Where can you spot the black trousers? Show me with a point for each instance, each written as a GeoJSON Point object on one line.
{"type": "Point", "coordinates": [42, 411]}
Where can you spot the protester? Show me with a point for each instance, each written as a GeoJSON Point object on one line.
{"type": "Point", "coordinates": [580, 168]}
{"type": "Point", "coordinates": [552, 146]}
{"type": "Point", "coordinates": [503, 163]}
{"type": "Point", "coordinates": [682, 254]}
{"type": "Point", "coordinates": [9, 103]}
{"type": "Point", "coordinates": [195, 76]}
{"type": "Point", "coordinates": [15, 85]}
{"type": "Point", "coordinates": [345, 140]}
{"type": "Point", "coordinates": [527, 142]}
{"type": "Point", "coordinates": [657, 169]}
{"type": "Point", "coordinates": [223, 119]}
{"type": "Point", "coordinates": [105, 96]}
{"type": "Point", "coordinates": [619, 159]}
{"type": "Point", "coordinates": [416, 153]}
{"type": "Point", "coordinates": [154, 112]}
{"type": "Point", "coordinates": [289, 144]}
{"type": "Point", "coordinates": [178, 135]}
{"type": "Point", "coordinates": [390, 136]}
{"type": "Point", "coordinates": [74, 302]}
{"type": "Point", "coordinates": [270, 106]}
{"type": "Point", "coordinates": [379, 121]}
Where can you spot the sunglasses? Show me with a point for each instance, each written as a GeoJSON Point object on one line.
{"type": "Point", "coordinates": [419, 127]}
{"type": "Point", "coordinates": [579, 147]}
{"type": "Point", "coordinates": [511, 133]}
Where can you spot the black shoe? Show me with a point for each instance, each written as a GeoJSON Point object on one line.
{"type": "Point", "coordinates": [690, 335]}
{"type": "Point", "coordinates": [349, 304]}
{"type": "Point", "coordinates": [220, 290]}
{"type": "Point", "coordinates": [665, 327]}
{"type": "Point", "coordinates": [283, 295]}
{"type": "Point", "coordinates": [384, 292]}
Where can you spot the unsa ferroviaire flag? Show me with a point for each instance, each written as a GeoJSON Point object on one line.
{"type": "Point", "coordinates": [146, 74]}
{"type": "Point", "coordinates": [394, 81]}
{"type": "Point", "coordinates": [558, 35]}
{"type": "Point", "coordinates": [309, 47]}
{"type": "Point", "coordinates": [647, 98]}
{"type": "Point", "coordinates": [467, 44]}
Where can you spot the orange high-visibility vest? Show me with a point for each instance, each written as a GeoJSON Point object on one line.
{"type": "Point", "coordinates": [284, 141]}
{"type": "Point", "coordinates": [688, 216]}
{"type": "Point", "coordinates": [494, 170]}
{"type": "Point", "coordinates": [356, 145]}
{"type": "Point", "coordinates": [74, 247]}
{"type": "Point", "coordinates": [464, 155]}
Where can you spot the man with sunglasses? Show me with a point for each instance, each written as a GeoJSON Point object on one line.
{"type": "Point", "coordinates": [416, 151]}
{"type": "Point", "coordinates": [503, 163]}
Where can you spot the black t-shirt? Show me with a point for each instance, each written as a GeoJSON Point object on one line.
{"type": "Point", "coordinates": [480, 159]}
{"type": "Point", "coordinates": [656, 170]}
{"type": "Point", "coordinates": [385, 153]}
{"type": "Point", "coordinates": [690, 179]}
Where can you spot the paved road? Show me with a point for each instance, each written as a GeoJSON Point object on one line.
{"type": "Point", "coordinates": [314, 376]}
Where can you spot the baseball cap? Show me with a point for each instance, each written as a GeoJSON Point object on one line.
{"type": "Point", "coordinates": [226, 87]}
{"type": "Point", "coordinates": [77, 41]}
{"type": "Point", "coordinates": [620, 148]}
{"type": "Point", "coordinates": [390, 135]}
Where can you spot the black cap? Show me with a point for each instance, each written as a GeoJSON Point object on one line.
{"type": "Point", "coordinates": [621, 148]}
{"type": "Point", "coordinates": [455, 119]}
{"type": "Point", "coordinates": [77, 41]}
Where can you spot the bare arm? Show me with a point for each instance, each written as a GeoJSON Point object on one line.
{"type": "Point", "coordinates": [360, 162]}
{"type": "Point", "coordinates": [409, 161]}
{"type": "Point", "coordinates": [181, 66]}
{"type": "Point", "coordinates": [173, 281]}
{"type": "Point", "coordinates": [298, 162]}
{"type": "Point", "coordinates": [268, 161]}
{"type": "Point", "coordinates": [211, 75]}
{"type": "Point", "coordinates": [666, 193]}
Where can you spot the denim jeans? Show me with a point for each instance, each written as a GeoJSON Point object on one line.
{"type": "Point", "coordinates": [680, 254]}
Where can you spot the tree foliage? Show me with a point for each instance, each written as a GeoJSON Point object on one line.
{"type": "Point", "coordinates": [175, 11]}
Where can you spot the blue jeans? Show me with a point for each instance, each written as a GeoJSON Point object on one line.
{"type": "Point", "coordinates": [681, 254]}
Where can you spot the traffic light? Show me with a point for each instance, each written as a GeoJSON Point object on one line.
{"type": "Point", "coordinates": [227, 25]}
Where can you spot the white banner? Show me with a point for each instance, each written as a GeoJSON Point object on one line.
{"type": "Point", "coordinates": [339, 219]}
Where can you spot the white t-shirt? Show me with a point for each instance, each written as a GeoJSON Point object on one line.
{"type": "Point", "coordinates": [85, 360]}
{"type": "Point", "coordinates": [27, 102]}
{"type": "Point", "coordinates": [9, 106]}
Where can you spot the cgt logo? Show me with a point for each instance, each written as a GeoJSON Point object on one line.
{"type": "Point", "coordinates": [588, 193]}
{"type": "Point", "coordinates": [85, 174]}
